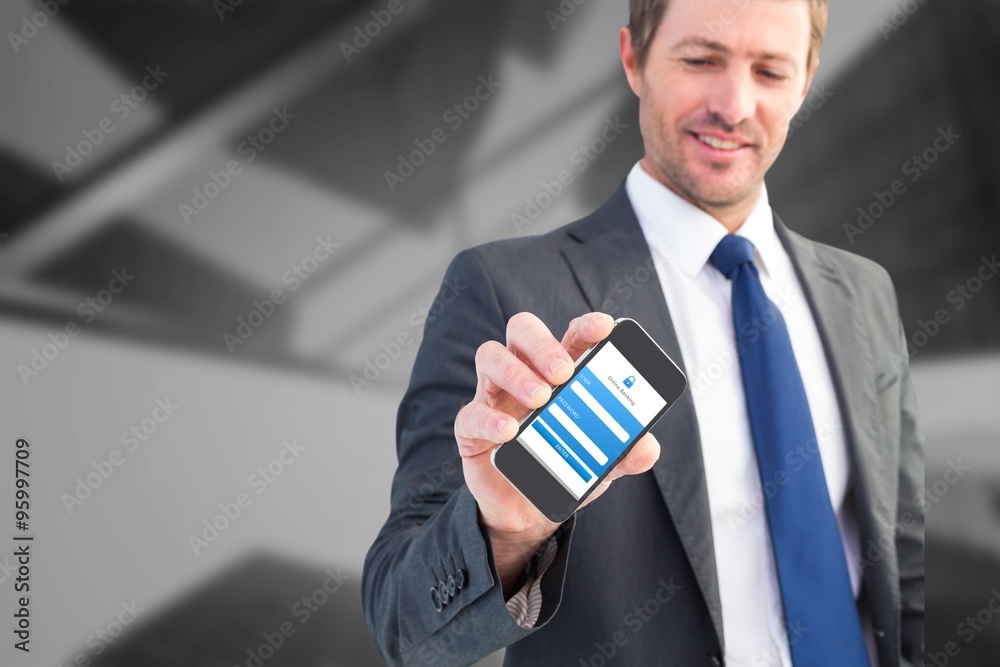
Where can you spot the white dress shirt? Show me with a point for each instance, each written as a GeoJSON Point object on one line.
{"type": "Point", "coordinates": [681, 238]}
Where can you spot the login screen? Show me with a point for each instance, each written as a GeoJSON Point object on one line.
{"type": "Point", "coordinates": [592, 420]}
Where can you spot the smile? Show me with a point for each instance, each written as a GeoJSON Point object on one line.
{"type": "Point", "coordinates": [718, 143]}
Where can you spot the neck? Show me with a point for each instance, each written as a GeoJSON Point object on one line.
{"type": "Point", "coordinates": [731, 215]}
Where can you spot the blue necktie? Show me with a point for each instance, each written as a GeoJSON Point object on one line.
{"type": "Point", "coordinates": [812, 570]}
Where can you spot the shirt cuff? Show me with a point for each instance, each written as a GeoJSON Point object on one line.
{"type": "Point", "coordinates": [525, 605]}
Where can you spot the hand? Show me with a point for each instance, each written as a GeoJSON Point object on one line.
{"type": "Point", "coordinates": [515, 379]}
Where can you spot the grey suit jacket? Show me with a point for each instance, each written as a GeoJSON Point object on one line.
{"type": "Point", "coordinates": [635, 577]}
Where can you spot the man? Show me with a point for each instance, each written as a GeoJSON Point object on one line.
{"type": "Point", "coordinates": [771, 517]}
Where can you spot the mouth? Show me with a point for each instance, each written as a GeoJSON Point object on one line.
{"type": "Point", "coordinates": [719, 148]}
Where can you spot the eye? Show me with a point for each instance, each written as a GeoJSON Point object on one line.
{"type": "Point", "coordinates": [774, 76]}
{"type": "Point", "coordinates": [696, 62]}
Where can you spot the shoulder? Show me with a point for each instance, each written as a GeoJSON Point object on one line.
{"type": "Point", "coordinates": [526, 273]}
{"type": "Point", "coordinates": [522, 254]}
{"type": "Point", "coordinates": [540, 251]}
{"type": "Point", "coordinates": [866, 283]}
{"type": "Point", "coordinates": [860, 269]}
{"type": "Point", "coordinates": [860, 272]}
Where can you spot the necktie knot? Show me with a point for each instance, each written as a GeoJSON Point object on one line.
{"type": "Point", "coordinates": [731, 252]}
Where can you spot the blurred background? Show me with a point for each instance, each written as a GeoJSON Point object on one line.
{"type": "Point", "coordinates": [215, 263]}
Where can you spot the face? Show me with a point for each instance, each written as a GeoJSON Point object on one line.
{"type": "Point", "coordinates": [722, 81]}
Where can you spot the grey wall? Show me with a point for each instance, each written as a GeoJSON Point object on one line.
{"type": "Point", "coordinates": [323, 177]}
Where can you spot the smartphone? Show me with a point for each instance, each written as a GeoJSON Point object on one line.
{"type": "Point", "coordinates": [563, 450]}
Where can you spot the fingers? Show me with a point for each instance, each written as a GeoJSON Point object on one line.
{"type": "Point", "coordinates": [640, 459]}
{"type": "Point", "coordinates": [532, 342]}
{"type": "Point", "coordinates": [499, 370]}
{"type": "Point", "coordinates": [525, 370]}
{"type": "Point", "coordinates": [478, 428]}
{"type": "Point", "coordinates": [585, 331]}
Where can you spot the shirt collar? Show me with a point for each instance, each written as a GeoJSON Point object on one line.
{"type": "Point", "coordinates": [679, 230]}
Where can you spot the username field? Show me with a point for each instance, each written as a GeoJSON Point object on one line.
{"type": "Point", "coordinates": [599, 410]}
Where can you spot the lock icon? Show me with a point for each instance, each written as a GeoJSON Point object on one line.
{"type": "Point", "coordinates": [629, 381]}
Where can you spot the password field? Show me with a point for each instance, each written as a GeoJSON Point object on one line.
{"type": "Point", "coordinates": [580, 436]}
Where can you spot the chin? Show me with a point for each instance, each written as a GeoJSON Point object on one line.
{"type": "Point", "coordinates": [722, 195]}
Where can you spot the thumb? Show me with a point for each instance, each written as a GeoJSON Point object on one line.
{"type": "Point", "coordinates": [642, 457]}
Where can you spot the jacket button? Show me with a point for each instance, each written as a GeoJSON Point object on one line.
{"type": "Point", "coordinates": [452, 586]}
{"type": "Point", "coordinates": [443, 592]}
{"type": "Point", "coordinates": [714, 660]}
{"type": "Point", "coordinates": [436, 599]}
{"type": "Point", "coordinates": [460, 578]}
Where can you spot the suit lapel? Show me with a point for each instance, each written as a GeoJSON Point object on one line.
{"type": "Point", "coordinates": [848, 350]}
{"type": "Point", "coordinates": [614, 268]}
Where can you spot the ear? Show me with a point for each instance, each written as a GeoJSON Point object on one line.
{"type": "Point", "coordinates": [632, 71]}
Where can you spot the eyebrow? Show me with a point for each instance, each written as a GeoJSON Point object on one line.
{"type": "Point", "coordinates": [722, 48]}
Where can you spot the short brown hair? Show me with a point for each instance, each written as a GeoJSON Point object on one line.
{"type": "Point", "coordinates": [645, 17]}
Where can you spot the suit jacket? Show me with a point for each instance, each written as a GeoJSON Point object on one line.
{"type": "Point", "coordinates": [635, 577]}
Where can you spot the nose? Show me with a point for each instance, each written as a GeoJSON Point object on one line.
{"type": "Point", "coordinates": [732, 98]}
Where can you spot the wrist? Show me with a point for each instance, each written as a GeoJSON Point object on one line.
{"type": "Point", "coordinates": [512, 551]}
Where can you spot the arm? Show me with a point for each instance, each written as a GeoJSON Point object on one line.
{"type": "Point", "coordinates": [434, 529]}
{"type": "Point", "coordinates": [454, 516]}
{"type": "Point", "coordinates": [910, 541]}
{"type": "Point", "coordinates": [910, 517]}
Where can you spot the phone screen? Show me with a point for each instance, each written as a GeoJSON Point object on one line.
{"type": "Point", "coordinates": [591, 420]}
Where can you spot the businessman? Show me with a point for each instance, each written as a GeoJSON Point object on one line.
{"type": "Point", "coordinates": [773, 516]}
